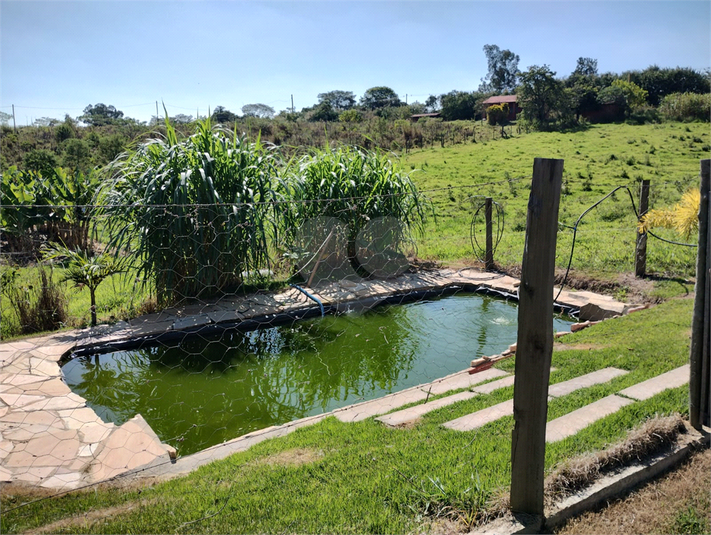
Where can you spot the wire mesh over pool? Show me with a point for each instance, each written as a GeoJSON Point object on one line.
{"type": "Point", "coordinates": [205, 389]}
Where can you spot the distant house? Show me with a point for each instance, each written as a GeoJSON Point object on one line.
{"type": "Point", "coordinates": [418, 116]}
{"type": "Point", "coordinates": [511, 100]}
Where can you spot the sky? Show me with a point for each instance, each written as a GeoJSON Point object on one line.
{"type": "Point", "coordinates": [57, 57]}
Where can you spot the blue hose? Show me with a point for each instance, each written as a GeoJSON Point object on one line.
{"type": "Point", "coordinates": [312, 297]}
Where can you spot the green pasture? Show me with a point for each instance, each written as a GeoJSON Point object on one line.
{"type": "Point", "coordinates": [598, 159]}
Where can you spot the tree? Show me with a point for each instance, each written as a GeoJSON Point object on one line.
{"type": "Point", "coordinates": [497, 114]}
{"type": "Point", "coordinates": [457, 105]}
{"type": "Point", "coordinates": [45, 121]}
{"type": "Point", "coordinates": [503, 70]}
{"type": "Point", "coordinates": [416, 108]}
{"type": "Point", "coordinates": [584, 96]}
{"type": "Point", "coordinates": [76, 153]}
{"type": "Point", "coordinates": [5, 118]}
{"type": "Point", "coordinates": [181, 118]}
{"type": "Point", "coordinates": [379, 97]}
{"type": "Point", "coordinates": [40, 161]}
{"type": "Point", "coordinates": [542, 97]}
{"type": "Point", "coordinates": [633, 95]}
{"type": "Point", "coordinates": [111, 146]}
{"type": "Point", "coordinates": [222, 115]}
{"type": "Point", "coordinates": [338, 100]}
{"type": "Point", "coordinates": [258, 110]}
{"type": "Point", "coordinates": [586, 67]}
{"type": "Point", "coordinates": [432, 104]}
{"type": "Point", "coordinates": [661, 82]}
{"type": "Point", "coordinates": [323, 112]}
{"type": "Point", "coordinates": [63, 132]}
{"type": "Point", "coordinates": [100, 115]}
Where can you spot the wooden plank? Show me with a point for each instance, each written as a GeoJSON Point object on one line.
{"type": "Point", "coordinates": [698, 404]}
{"type": "Point", "coordinates": [640, 255]}
{"type": "Point", "coordinates": [489, 258]}
{"type": "Point", "coordinates": [535, 338]}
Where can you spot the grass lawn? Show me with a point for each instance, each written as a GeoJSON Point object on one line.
{"type": "Point", "coordinates": [597, 160]}
{"type": "Point", "coordinates": [366, 478]}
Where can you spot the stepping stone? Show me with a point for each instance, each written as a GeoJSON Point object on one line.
{"type": "Point", "coordinates": [589, 379]}
{"type": "Point", "coordinates": [488, 388]}
{"type": "Point", "coordinates": [362, 411]}
{"type": "Point", "coordinates": [461, 380]}
{"type": "Point", "coordinates": [376, 407]}
{"type": "Point", "coordinates": [655, 385]}
{"type": "Point", "coordinates": [485, 416]}
{"type": "Point", "coordinates": [579, 419]}
{"type": "Point", "coordinates": [411, 414]}
{"type": "Point", "coordinates": [482, 417]}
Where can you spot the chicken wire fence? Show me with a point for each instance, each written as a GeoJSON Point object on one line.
{"type": "Point", "coordinates": [215, 322]}
{"type": "Point", "coordinates": [184, 326]}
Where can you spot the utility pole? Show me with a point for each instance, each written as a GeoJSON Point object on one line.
{"type": "Point", "coordinates": [14, 125]}
{"type": "Point", "coordinates": [157, 112]}
{"type": "Point", "coordinates": [292, 104]}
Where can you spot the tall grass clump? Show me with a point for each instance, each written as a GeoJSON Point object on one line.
{"type": "Point", "coordinates": [38, 303]}
{"type": "Point", "coordinates": [354, 186]}
{"type": "Point", "coordinates": [195, 214]}
{"type": "Point", "coordinates": [686, 107]}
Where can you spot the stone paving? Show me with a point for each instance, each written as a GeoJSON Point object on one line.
{"type": "Point", "coordinates": [577, 420]}
{"type": "Point", "coordinates": [505, 408]}
{"type": "Point", "coordinates": [569, 424]}
{"type": "Point", "coordinates": [50, 438]}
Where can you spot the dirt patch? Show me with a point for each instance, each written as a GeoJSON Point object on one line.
{"type": "Point", "coordinates": [674, 503]}
{"type": "Point", "coordinates": [84, 521]}
{"type": "Point", "coordinates": [652, 437]}
{"type": "Point", "coordinates": [294, 457]}
{"type": "Point", "coordinates": [626, 287]}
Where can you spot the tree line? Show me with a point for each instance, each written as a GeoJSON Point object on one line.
{"type": "Point", "coordinates": [381, 118]}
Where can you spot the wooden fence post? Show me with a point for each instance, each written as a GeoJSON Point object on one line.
{"type": "Point", "coordinates": [699, 359]}
{"type": "Point", "coordinates": [640, 256]}
{"type": "Point", "coordinates": [535, 339]}
{"type": "Point", "coordinates": [489, 257]}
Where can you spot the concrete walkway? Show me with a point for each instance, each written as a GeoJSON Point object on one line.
{"type": "Point", "coordinates": [50, 438]}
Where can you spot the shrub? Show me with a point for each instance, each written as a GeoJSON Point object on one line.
{"type": "Point", "coordinates": [351, 116]}
{"type": "Point", "coordinates": [686, 107]}
{"type": "Point", "coordinates": [40, 161]}
{"type": "Point", "coordinates": [40, 304]}
{"type": "Point", "coordinates": [497, 114]}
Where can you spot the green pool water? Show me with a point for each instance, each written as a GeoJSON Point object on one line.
{"type": "Point", "coordinates": [206, 390]}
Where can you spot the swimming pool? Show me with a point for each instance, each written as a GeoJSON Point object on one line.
{"type": "Point", "coordinates": [206, 389]}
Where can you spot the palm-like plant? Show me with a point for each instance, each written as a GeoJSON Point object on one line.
{"type": "Point", "coordinates": [83, 270]}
